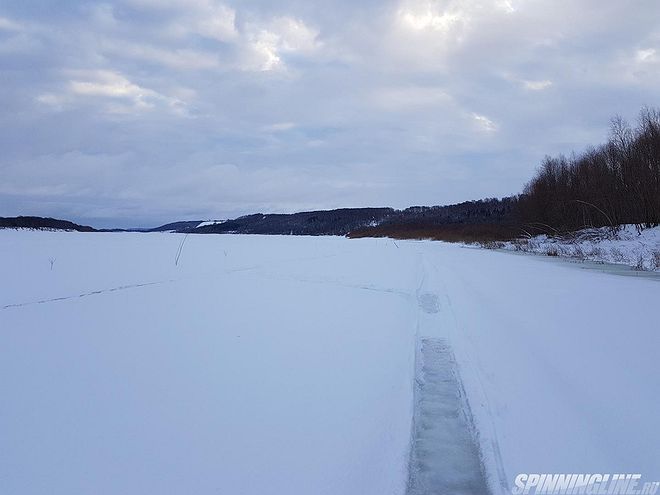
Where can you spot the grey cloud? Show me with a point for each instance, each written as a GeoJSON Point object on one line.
{"type": "Point", "coordinates": [141, 111]}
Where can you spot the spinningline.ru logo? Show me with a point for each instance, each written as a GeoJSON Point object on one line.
{"type": "Point", "coordinates": [589, 484]}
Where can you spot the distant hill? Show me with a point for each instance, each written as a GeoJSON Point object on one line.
{"type": "Point", "coordinates": [416, 221]}
{"type": "Point", "coordinates": [482, 220]}
{"type": "Point", "coordinates": [326, 222]}
{"type": "Point", "coordinates": [41, 223]}
{"type": "Point", "coordinates": [366, 220]}
{"type": "Point", "coordinates": [175, 226]}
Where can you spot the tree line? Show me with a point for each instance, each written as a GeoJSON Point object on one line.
{"type": "Point", "coordinates": [609, 185]}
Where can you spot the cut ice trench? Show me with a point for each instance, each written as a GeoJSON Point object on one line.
{"type": "Point", "coordinates": [444, 457]}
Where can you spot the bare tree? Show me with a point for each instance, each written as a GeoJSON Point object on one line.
{"type": "Point", "coordinates": [616, 183]}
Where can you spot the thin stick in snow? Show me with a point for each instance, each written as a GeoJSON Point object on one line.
{"type": "Point", "coordinates": [180, 250]}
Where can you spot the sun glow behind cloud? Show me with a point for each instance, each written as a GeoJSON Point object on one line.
{"type": "Point", "coordinates": [427, 18]}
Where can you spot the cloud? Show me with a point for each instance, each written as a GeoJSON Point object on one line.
{"type": "Point", "coordinates": [111, 84]}
{"type": "Point", "coordinates": [508, 6]}
{"type": "Point", "coordinates": [537, 85]}
{"type": "Point", "coordinates": [645, 55]}
{"type": "Point", "coordinates": [256, 43]}
{"type": "Point", "coordinates": [217, 22]}
{"type": "Point", "coordinates": [426, 15]}
{"type": "Point", "coordinates": [179, 58]}
{"type": "Point", "coordinates": [280, 127]}
{"type": "Point", "coordinates": [9, 25]}
{"type": "Point", "coordinates": [409, 97]}
{"type": "Point", "coordinates": [254, 105]}
{"type": "Point", "coordinates": [110, 90]}
{"type": "Point", "coordinates": [484, 123]}
{"type": "Point", "coordinates": [268, 43]}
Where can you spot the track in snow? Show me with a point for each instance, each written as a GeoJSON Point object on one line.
{"type": "Point", "coordinates": [84, 294]}
{"type": "Point", "coordinates": [444, 457]}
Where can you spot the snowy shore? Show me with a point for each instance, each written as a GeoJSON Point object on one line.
{"type": "Point", "coordinates": [639, 249]}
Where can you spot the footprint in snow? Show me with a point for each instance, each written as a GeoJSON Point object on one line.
{"type": "Point", "coordinates": [429, 302]}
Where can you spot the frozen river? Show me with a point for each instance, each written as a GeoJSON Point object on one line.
{"type": "Point", "coordinates": [287, 365]}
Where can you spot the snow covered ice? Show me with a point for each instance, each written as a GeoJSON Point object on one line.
{"type": "Point", "coordinates": [287, 364]}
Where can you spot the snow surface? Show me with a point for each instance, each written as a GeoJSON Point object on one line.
{"type": "Point", "coordinates": [210, 222]}
{"type": "Point", "coordinates": [286, 364]}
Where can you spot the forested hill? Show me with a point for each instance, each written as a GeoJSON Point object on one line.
{"type": "Point", "coordinates": [327, 222]}
{"type": "Point", "coordinates": [41, 223]}
{"type": "Point", "coordinates": [346, 220]}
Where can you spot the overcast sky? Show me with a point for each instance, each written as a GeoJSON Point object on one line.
{"type": "Point", "coordinates": [137, 112]}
